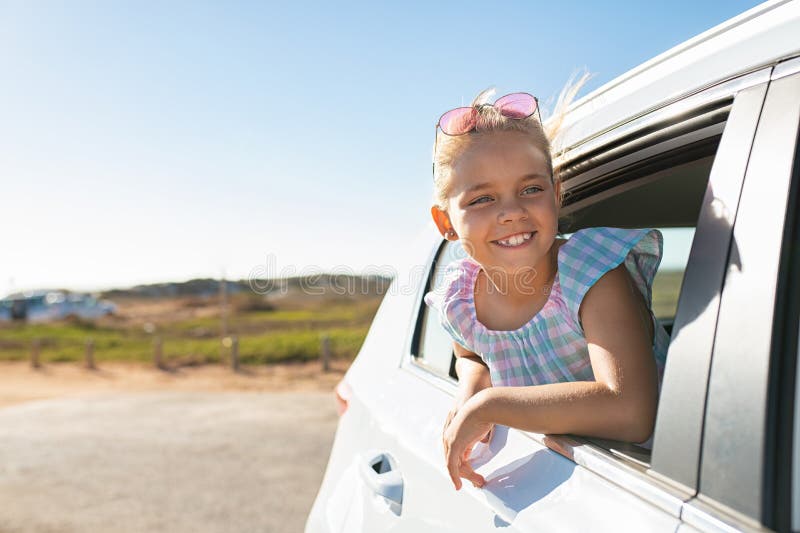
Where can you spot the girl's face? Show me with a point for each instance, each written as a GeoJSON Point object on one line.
{"type": "Point", "coordinates": [502, 204]}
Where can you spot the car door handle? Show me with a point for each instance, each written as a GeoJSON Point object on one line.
{"type": "Point", "coordinates": [380, 473]}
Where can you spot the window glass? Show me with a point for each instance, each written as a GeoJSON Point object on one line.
{"type": "Point", "coordinates": [669, 278]}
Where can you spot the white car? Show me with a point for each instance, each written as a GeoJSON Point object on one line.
{"type": "Point", "coordinates": [700, 142]}
{"type": "Point", "coordinates": [48, 305]}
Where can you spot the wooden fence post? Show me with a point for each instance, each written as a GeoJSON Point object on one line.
{"type": "Point", "coordinates": [235, 353]}
{"type": "Point", "coordinates": [158, 358]}
{"type": "Point", "coordinates": [325, 353]}
{"type": "Point", "coordinates": [35, 347]}
{"type": "Point", "coordinates": [90, 354]}
{"type": "Point", "coordinates": [223, 316]}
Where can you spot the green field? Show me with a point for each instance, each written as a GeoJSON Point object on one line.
{"type": "Point", "coordinates": [292, 331]}
{"type": "Point", "coordinates": [666, 288]}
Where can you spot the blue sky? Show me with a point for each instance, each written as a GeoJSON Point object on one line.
{"type": "Point", "coordinates": [156, 141]}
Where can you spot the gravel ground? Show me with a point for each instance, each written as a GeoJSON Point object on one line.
{"type": "Point", "coordinates": [164, 461]}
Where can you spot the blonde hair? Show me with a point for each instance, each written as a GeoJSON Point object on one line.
{"type": "Point", "coordinates": [489, 120]}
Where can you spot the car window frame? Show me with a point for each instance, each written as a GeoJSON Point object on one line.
{"type": "Point", "coordinates": [744, 492]}
{"type": "Point", "coordinates": [785, 396]}
{"type": "Point", "coordinates": [679, 422]}
{"type": "Point", "coordinates": [419, 323]}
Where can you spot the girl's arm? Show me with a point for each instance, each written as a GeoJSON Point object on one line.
{"type": "Point", "coordinates": [473, 377]}
{"type": "Point", "coordinates": [620, 404]}
{"type": "Point", "coordinates": [473, 374]}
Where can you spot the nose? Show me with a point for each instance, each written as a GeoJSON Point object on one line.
{"type": "Point", "coordinates": [510, 211]}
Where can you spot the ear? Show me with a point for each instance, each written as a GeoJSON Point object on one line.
{"type": "Point", "coordinates": [442, 220]}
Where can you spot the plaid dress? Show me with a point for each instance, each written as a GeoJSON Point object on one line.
{"type": "Point", "coordinates": [551, 347]}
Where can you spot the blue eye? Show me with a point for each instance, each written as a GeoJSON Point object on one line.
{"type": "Point", "coordinates": [478, 200]}
{"type": "Point", "coordinates": [532, 187]}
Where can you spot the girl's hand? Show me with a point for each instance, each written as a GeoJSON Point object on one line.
{"type": "Point", "coordinates": [486, 438]}
{"type": "Point", "coordinates": [461, 432]}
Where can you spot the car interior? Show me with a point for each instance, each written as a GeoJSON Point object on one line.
{"type": "Point", "coordinates": [667, 199]}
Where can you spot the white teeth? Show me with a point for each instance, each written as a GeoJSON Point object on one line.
{"type": "Point", "coordinates": [516, 240]}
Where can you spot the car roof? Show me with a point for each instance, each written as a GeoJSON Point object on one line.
{"type": "Point", "coordinates": [757, 38]}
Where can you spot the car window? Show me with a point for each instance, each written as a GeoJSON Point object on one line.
{"type": "Point", "coordinates": [669, 278]}
{"type": "Point", "coordinates": [664, 192]}
{"type": "Point", "coordinates": [644, 203]}
{"type": "Point", "coordinates": [436, 347]}
{"type": "Point", "coordinates": [669, 200]}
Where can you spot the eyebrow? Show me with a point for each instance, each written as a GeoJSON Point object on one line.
{"type": "Point", "coordinates": [486, 184]}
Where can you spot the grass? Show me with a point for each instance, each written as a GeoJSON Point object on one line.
{"type": "Point", "coordinates": [280, 335]}
{"type": "Point", "coordinates": [666, 288]}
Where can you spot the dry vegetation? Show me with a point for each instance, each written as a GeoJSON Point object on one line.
{"type": "Point", "coordinates": [280, 328]}
{"type": "Point", "coordinates": [279, 346]}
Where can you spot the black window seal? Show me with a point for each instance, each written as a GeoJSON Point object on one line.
{"type": "Point", "coordinates": [777, 496]}
{"type": "Point", "coordinates": [421, 307]}
{"type": "Point", "coordinates": [713, 113]}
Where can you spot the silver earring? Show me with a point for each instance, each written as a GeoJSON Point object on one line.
{"type": "Point", "coordinates": [451, 233]}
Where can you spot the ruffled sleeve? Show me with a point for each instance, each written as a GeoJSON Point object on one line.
{"type": "Point", "coordinates": [589, 253]}
{"type": "Point", "coordinates": [451, 299]}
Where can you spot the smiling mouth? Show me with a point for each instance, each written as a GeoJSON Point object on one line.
{"type": "Point", "coordinates": [515, 240]}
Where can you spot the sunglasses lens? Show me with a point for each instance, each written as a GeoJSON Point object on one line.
{"type": "Point", "coordinates": [517, 105]}
{"type": "Point", "coordinates": [458, 121]}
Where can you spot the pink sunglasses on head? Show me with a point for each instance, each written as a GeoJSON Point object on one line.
{"type": "Point", "coordinates": [463, 120]}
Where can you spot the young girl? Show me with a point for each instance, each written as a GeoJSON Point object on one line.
{"type": "Point", "coordinates": [551, 335]}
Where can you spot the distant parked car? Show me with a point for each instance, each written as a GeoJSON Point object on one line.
{"type": "Point", "coordinates": [700, 142]}
{"type": "Point", "coordinates": [42, 306]}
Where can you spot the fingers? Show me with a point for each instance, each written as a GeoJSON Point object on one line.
{"type": "Point", "coordinates": [453, 468]}
{"type": "Point", "coordinates": [467, 472]}
{"type": "Point", "coordinates": [459, 467]}
{"type": "Point", "coordinates": [466, 454]}
{"type": "Point", "coordinates": [447, 421]}
{"type": "Point", "coordinates": [451, 459]}
{"type": "Point", "coordinates": [457, 453]}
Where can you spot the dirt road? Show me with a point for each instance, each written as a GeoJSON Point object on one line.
{"type": "Point", "coordinates": [20, 383]}
{"type": "Point", "coordinates": [165, 459]}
